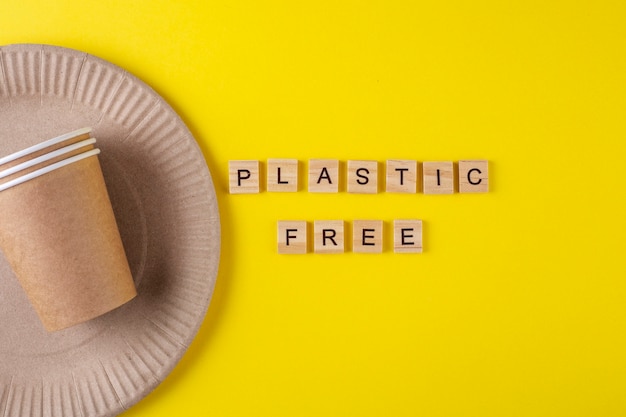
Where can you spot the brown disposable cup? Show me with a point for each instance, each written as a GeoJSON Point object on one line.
{"type": "Point", "coordinates": [58, 233]}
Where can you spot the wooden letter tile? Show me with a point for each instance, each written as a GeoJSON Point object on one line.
{"type": "Point", "coordinates": [367, 236]}
{"type": "Point", "coordinates": [243, 177]}
{"type": "Point", "coordinates": [363, 177]}
{"type": "Point", "coordinates": [473, 176]}
{"type": "Point", "coordinates": [328, 236]}
{"type": "Point", "coordinates": [401, 176]}
{"type": "Point", "coordinates": [438, 177]}
{"type": "Point", "coordinates": [323, 175]}
{"type": "Point", "coordinates": [282, 175]}
{"type": "Point", "coordinates": [407, 236]}
{"type": "Point", "coordinates": [292, 237]}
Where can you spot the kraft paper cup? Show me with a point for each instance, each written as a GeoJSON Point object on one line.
{"type": "Point", "coordinates": [42, 161]}
{"type": "Point", "coordinates": [58, 233]}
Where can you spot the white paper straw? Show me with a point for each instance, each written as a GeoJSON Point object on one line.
{"type": "Point", "coordinates": [48, 168]}
{"type": "Point", "coordinates": [46, 157]}
{"type": "Point", "coordinates": [43, 145]}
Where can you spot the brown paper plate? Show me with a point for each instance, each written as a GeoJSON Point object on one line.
{"type": "Point", "coordinates": [166, 209]}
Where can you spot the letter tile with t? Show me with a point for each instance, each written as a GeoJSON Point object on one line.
{"type": "Point", "coordinates": [401, 176]}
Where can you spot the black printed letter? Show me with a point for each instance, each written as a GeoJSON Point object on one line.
{"type": "Point", "coordinates": [365, 180]}
{"type": "Point", "coordinates": [330, 236]}
{"type": "Point", "coordinates": [363, 242]}
{"type": "Point", "coordinates": [279, 181]}
{"type": "Point", "coordinates": [324, 174]}
{"type": "Point", "coordinates": [406, 236]}
{"type": "Point", "coordinates": [241, 177]}
{"type": "Point", "coordinates": [402, 174]}
{"type": "Point", "coordinates": [287, 235]}
{"type": "Point", "coordinates": [469, 179]}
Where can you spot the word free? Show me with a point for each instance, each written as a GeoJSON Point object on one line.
{"type": "Point", "coordinates": [329, 236]}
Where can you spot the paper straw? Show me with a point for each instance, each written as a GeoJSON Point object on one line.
{"type": "Point", "coordinates": [43, 145]}
{"type": "Point", "coordinates": [48, 168]}
{"type": "Point", "coordinates": [45, 157]}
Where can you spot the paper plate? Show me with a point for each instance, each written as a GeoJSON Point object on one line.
{"type": "Point", "coordinates": [166, 209]}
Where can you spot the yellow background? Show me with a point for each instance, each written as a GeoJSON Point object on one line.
{"type": "Point", "coordinates": [516, 307]}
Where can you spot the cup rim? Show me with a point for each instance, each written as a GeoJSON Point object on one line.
{"type": "Point", "coordinates": [46, 157]}
{"type": "Point", "coordinates": [49, 168]}
{"type": "Point", "coordinates": [44, 144]}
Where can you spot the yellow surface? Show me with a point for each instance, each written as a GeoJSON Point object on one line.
{"type": "Point", "coordinates": [517, 306]}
